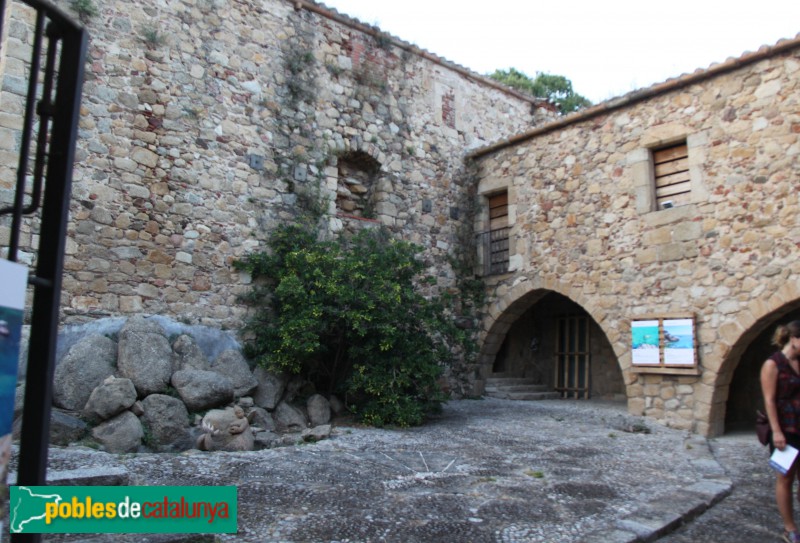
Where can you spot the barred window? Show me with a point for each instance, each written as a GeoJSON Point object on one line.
{"type": "Point", "coordinates": [497, 242]}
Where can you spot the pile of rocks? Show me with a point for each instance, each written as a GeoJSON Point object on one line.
{"type": "Point", "coordinates": [142, 390]}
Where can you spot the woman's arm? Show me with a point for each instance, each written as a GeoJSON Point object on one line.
{"type": "Point", "coordinates": [769, 387]}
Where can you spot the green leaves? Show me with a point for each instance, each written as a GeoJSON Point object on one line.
{"type": "Point", "coordinates": [556, 89]}
{"type": "Point", "coordinates": [346, 315]}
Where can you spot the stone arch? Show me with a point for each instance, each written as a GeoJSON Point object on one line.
{"type": "Point", "coordinates": [740, 340]}
{"type": "Point", "coordinates": [536, 304]}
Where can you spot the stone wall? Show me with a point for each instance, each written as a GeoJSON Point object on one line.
{"type": "Point", "coordinates": [585, 223]}
{"type": "Point", "coordinates": [206, 123]}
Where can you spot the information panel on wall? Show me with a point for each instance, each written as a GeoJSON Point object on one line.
{"type": "Point", "coordinates": [14, 281]}
{"type": "Point", "coordinates": [663, 342]}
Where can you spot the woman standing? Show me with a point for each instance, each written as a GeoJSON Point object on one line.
{"type": "Point", "coordinates": [780, 384]}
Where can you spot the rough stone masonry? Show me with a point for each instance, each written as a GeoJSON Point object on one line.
{"type": "Point", "coordinates": [205, 123]}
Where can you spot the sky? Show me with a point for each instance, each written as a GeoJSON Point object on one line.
{"type": "Point", "coordinates": [606, 48]}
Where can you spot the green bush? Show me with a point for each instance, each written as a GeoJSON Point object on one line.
{"type": "Point", "coordinates": [345, 314]}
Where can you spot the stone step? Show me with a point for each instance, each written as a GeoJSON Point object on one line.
{"type": "Point", "coordinates": [103, 476]}
{"type": "Point", "coordinates": [517, 388]}
{"type": "Point", "coordinates": [530, 395]}
{"type": "Point", "coordinates": [534, 396]}
{"type": "Point", "coordinates": [511, 381]}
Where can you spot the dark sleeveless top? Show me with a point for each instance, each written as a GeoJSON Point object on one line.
{"type": "Point", "coordinates": [787, 395]}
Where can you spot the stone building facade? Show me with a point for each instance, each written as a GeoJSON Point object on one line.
{"type": "Point", "coordinates": [590, 225]}
{"type": "Point", "coordinates": [206, 123]}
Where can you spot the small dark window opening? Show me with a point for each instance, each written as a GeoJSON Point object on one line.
{"type": "Point", "coordinates": [449, 109]}
{"type": "Point", "coordinates": [354, 193]}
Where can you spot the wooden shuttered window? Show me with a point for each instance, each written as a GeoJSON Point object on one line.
{"type": "Point", "coordinates": [497, 255]}
{"type": "Point", "coordinates": [498, 211]}
{"type": "Point", "coordinates": [671, 165]}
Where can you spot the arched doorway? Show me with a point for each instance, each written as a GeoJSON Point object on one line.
{"type": "Point", "coordinates": [744, 393]}
{"type": "Point", "coordinates": [555, 343]}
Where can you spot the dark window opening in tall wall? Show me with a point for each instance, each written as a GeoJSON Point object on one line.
{"type": "Point", "coordinates": [449, 109]}
{"type": "Point", "coordinates": [354, 192]}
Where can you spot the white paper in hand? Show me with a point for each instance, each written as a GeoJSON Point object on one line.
{"type": "Point", "coordinates": [781, 460]}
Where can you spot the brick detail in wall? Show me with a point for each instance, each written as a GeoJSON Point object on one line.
{"type": "Point", "coordinates": [357, 52]}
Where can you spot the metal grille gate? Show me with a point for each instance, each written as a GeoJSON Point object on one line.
{"type": "Point", "coordinates": [43, 185]}
{"type": "Point", "coordinates": [573, 357]}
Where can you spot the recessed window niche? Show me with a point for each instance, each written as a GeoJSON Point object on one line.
{"type": "Point", "coordinates": [355, 189]}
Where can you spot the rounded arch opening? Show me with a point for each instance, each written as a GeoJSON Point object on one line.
{"type": "Point", "coordinates": [744, 390]}
{"type": "Point", "coordinates": [546, 339]}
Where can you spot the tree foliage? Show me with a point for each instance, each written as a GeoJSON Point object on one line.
{"type": "Point", "coordinates": [347, 316]}
{"type": "Point", "coordinates": [556, 89]}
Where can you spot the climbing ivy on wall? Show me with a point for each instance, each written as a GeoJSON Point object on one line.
{"type": "Point", "coordinates": [86, 9]}
{"type": "Point", "coordinates": [301, 85]}
{"type": "Point", "coordinates": [300, 156]}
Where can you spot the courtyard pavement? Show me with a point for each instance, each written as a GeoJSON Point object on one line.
{"type": "Point", "coordinates": [482, 471]}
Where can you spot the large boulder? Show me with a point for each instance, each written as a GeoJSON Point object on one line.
{"type": "Point", "coordinates": [112, 397]}
{"type": "Point", "coordinates": [84, 367]}
{"type": "Point", "coordinates": [260, 418]}
{"type": "Point", "coordinates": [187, 354]}
{"type": "Point", "coordinates": [232, 365]}
{"type": "Point", "coordinates": [297, 389]}
{"type": "Point", "coordinates": [267, 440]}
{"type": "Point", "coordinates": [202, 390]}
{"type": "Point", "coordinates": [337, 406]}
{"type": "Point", "coordinates": [226, 430]}
{"type": "Point", "coordinates": [317, 433]}
{"type": "Point", "coordinates": [145, 356]}
{"type": "Point", "coordinates": [121, 434]}
{"type": "Point", "coordinates": [319, 410]}
{"type": "Point", "coordinates": [166, 423]}
{"type": "Point", "coordinates": [66, 428]}
{"type": "Point", "coordinates": [288, 418]}
{"type": "Point", "coordinates": [270, 388]}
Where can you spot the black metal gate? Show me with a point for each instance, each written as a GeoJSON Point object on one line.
{"type": "Point", "coordinates": [43, 184]}
{"type": "Point", "coordinates": [573, 357]}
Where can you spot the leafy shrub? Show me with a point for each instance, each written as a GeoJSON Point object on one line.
{"type": "Point", "coordinates": [345, 314]}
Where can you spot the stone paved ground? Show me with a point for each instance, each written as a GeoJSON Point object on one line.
{"type": "Point", "coordinates": [749, 514]}
{"type": "Point", "coordinates": [484, 470]}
